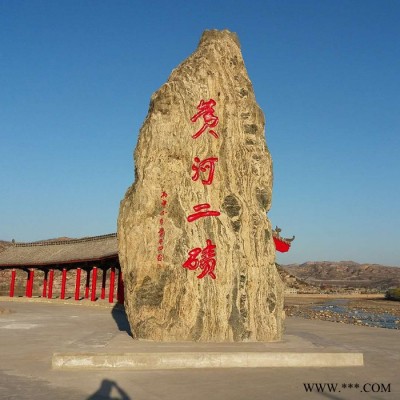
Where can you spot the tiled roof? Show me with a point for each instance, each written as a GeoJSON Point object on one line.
{"type": "Point", "coordinates": [60, 252]}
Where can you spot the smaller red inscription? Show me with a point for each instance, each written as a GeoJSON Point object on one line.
{"type": "Point", "coordinates": [200, 214]}
{"type": "Point", "coordinates": [207, 260]}
{"type": "Point", "coordinates": [202, 166]}
{"type": "Point", "coordinates": [161, 231]}
{"type": "Point", "coordinates": [206, 110]}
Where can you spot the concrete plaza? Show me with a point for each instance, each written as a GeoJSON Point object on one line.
{"type": "Point", "coordinates": [32, 331]}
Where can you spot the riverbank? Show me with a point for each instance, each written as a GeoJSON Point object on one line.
{"type": "Point", "coordinates": [368, 310]}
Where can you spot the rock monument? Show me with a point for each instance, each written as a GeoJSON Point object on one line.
{"type": "Point", "coordinates": [195, 244]}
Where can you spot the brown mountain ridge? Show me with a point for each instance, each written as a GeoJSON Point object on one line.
{"type": "Point", "coordinates": [345, 274]}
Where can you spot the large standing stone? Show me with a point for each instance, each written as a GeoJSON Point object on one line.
{"type": "Point", "coordinates": [168, 302]}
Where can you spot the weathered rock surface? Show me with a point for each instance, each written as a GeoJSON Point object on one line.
{"type": "Point", "coordinates": [164, 300]}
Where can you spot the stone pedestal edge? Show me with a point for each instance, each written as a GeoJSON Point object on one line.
{"type": "Point", "coordinates": [153, 361]}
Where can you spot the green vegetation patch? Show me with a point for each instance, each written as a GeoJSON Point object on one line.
{"type": "Point", "coordinates": [393, 294]}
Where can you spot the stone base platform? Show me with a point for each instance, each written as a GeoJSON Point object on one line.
{"type": "Point", "coordinates": [146, 361]}
{"type": "Point", "coordinates": [293, 351]}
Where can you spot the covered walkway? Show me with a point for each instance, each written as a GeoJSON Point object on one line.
{"type": "Point", "coordinates": [86, 268]}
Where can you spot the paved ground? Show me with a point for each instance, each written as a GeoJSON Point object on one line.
{"type": "Point", "coordinates": [31, 331]}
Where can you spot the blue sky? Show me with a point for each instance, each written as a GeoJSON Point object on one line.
{"type": "Point", "coordinates": [75, 82]}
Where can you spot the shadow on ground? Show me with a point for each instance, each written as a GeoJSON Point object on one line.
{"type": "Point", "coordinates": [107, 391]}
{"type": "Point", "coordinates": [120, 318]}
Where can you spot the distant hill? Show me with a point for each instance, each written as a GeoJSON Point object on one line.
{"type": "Point", "coordinates": [293, 282]}
{"type": "Point", "coordinates": [59, 239]}
{"type": "Point", "coordinates": [346, 274]}
{"type": "Point", "coordinates": [4, 244]}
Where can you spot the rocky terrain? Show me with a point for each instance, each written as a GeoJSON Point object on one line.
{"type": "Point", "coordinates": [345, 274]}
{"type": "Point", "coordinates": [372, 312]}
{"type": "Point", "coordinates": [290, 281]}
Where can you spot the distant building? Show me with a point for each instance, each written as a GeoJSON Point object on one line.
{"type": "Point", "coordinates": [66, 257]}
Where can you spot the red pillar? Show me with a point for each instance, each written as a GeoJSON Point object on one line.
{"type": "Point", "coordinates": [63, 283]}
{"type": "Point", "coordinates": [51, 279]}
{"type": "Point", "coordinates": [112, 283]}
{"type": "Point", "coordinates": [78, 284]}
{"type": "Point", "coordinates": [87, 283]}
{"type": "Point", "coordinates": [12, 283]}
{"type": "Point", "coordinates": [94, 281]}
{"type": "Point", "coordinates": [44, 292]}
{"type": "Point", "coordinates": [29, 283]}
{"type": "Point", "coordinates": [103, 284]}
{"type": "Point", "coordinates": [120, 289]}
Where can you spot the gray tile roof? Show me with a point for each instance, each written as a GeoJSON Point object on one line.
{"type": "Point", "coordinates": [60, 252]}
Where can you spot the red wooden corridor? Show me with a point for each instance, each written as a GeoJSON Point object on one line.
{"type": "Point", "coordinates": [56, 262]}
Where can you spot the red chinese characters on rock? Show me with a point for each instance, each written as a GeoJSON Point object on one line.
{"type": "Point", "coordinates": [161, 231]}
{"type": "Point", "coordinates": [206, 110]}
{"type": "Point", "coordinates": [203, 166]}
{"type": "Point", "coordinates": [207, 260]}
{"type": "Point", "coordinates": [200, 214]}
